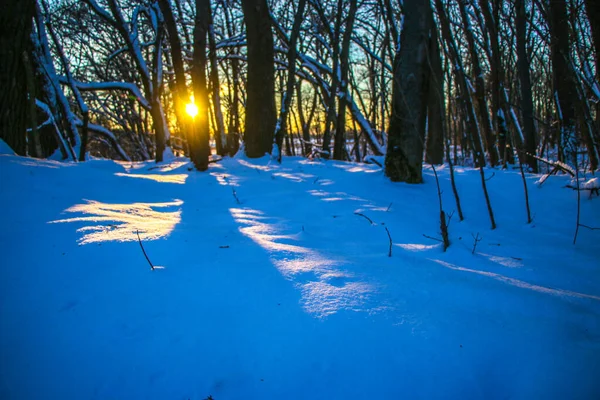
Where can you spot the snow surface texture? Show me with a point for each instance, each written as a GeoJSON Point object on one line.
{"type": "Point", "coordinates": [273, 288]}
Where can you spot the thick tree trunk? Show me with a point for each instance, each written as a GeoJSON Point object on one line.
{"type": "Point", "coordinates": [529, 131]}
{"type": "Point", "coordinates": [404, 158]}
{"type": "Point", "coordinates": [199, 143]}
{"type": "Point", "coordinates": [434, 146]}
{"type": "Point", "coordinates": [15, 27]}
{"type": "Point", "coordinates": [260, 109]}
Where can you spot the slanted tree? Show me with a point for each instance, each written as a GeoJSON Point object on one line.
{"type": "Point", "coordinates": [404, 157]}
{"type": "Point", "coordinates": [16, 18]}
{"type": "Point", "coordinates": [260, 86]}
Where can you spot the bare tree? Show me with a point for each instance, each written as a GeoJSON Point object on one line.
{"type": "Point", "coordinates": [410, 93]}
{"type": "Point", "coordinates": [260, 108]}
{"type": "Point", "coordinates": [15, 27]}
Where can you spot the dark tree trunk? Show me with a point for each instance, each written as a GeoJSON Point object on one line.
{"type": "Point", "coordinates": [199, 144]}
{"type": "Point", "coordinates": [434, 146]}
{"type": "Point", "coordinates": [16, 18]}
{"type": "Point", "coordinates": [260, 109]}
{"type": "Point", "coordinates": [404, 158]}
{"type": "Point", "coordinates": [529, 131]}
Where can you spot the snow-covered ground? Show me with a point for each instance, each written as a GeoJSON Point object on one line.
{"type": "Point", "coordinates": [272, 287]}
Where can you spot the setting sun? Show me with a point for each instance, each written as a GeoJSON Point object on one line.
{"type": "Point", "coordinates": [191, 109]}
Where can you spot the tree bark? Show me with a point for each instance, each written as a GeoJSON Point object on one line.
{"type": "Point", "coordinates": [434, 146]}
{"type": "Point", "coordinates": [199, 144]}
{"type": "Point", "coordinates": [260, 109]}
{"type": "Point", "coordinates": [15, 27]}
{"type": "Point", "coordinates": [404, 158]}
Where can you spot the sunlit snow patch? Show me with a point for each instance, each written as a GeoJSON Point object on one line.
{"type": "Point", "coordinates": [120, 222]}
{"type": "Point", "coordinates": [519, 283]}
{"type": "Point", "coordinates": [325, 287]}
{"type": "Point", "coordinates": [416, 246]}
{"type": "Point", "coordinates": [174, 178]}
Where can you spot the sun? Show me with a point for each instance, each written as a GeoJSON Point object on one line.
{"type": "Point", "coordinates": [191, 109]}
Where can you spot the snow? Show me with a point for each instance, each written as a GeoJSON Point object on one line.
{"type": "Point", "coordinates": [593, 183]}
{"type": "Point", "coordinates": [5, 148]}
{"type": "Point", "coordinates": [272, 287]}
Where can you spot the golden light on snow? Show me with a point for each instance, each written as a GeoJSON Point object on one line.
{"type": "Point", "coordinates": [106, 222]}
{"type": "Point", "coordinates": [325, 286]}
{"type": "Point", "coordinates": [173, 178]}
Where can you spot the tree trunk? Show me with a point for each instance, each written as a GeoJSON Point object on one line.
{"type": "Point", "coordinates": [260, 109]}
{"type": "Point", "coordinates": [199, 144]}
{"type": "Point", "coordinates": [404, 158]}
{"type": "Point", "coordinates": [15, 27]}
{"type": "Point", "coordinates": [434, 146]}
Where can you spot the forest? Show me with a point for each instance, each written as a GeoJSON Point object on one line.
{"type": "Point", "coordinates": [468, 82]}
{"type": "Point", "coordinates": [306, 199]}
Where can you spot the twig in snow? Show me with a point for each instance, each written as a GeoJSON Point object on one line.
{"type": "Point", "coordinates": [476, 239]}
{"type": "Point", "coordinates": [493, 174]}
{"type": "Point", "coordinates": [589, 227]}
{"type": "Point", "coordinates": [235, 196]}
{"type": "Point", "coordinates": [390, 237]}
{"type": "Point", "coordinates": [369, 219]}
{"type": "Point", "coordinates": [443, 222]}
{"type": "Point", "coordinates": [449, 218]}
{"type": "Point", "coordinates": [432, 238]}
{"type": "Point", "coordinates": [144, 251]}
{"type": "Point", "coordinates": [388, 209]}
{"type": "Point", "coordinates": [316, 180]}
